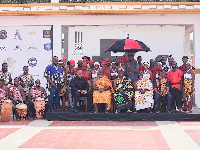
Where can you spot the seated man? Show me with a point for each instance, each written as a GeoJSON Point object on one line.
{"type": "Point", "coordinates": [102, 87]}
{"type": "Point", "coordinates": [161, 88]}
{"type": "Point", "coordinates": [35, 92]}
{"type": "Point", "coordinates": [123, 92]}
{"type": "Point", "coordinates": [79, 88]}
{"type": "Point", "coordinates": [143, 93]}
{"type": "Point", "coordinates": [3, 91]}
{"type": "Point", "coordinates": [17, 96]}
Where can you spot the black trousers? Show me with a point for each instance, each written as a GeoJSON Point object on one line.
{"type": "Point", "coordinates": [14, 109]}
{"type": "Point", "coordinates": [176, 98]}
{"type": "Point", "coordinates": [77, 95]}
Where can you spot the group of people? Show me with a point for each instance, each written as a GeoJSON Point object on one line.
{"type": "Point", "coordinates": [120, 84]}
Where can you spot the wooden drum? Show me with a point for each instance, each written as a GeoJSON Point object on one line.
{"type": "Point", "coordinates": [39, 105]}
{"type": "Point", "coordinates": [6, 110]}
{"type": "Point", "coordinates": [21, 111]}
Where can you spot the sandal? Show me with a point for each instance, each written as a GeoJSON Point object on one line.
{"type": "Point", "coordinates": [135, 112]}
{"type": "Point", "coordinates": [96, 112]}
{"type": "Point", "coordinates": [117, 111]}
{"type": "Point", "coordinates": [106, 112]}
{"type": "Point", "coordinates": [129, 111]}
{"type": "Point", "coordinates": [158, 112]}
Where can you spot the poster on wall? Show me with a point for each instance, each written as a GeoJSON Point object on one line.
{"type": "Point", "coordinates": [26, 46]}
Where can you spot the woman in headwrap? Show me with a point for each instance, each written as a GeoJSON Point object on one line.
{"type": "Point", "coordinates": [189, 87]}
{"type": "Point", "coordinates": [105, 70]}
{"type": "Point", "coordinates": [147, 72]}
{"type": "Point", "coordinates": [123, 61]}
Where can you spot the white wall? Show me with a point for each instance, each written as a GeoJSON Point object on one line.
{"type": "Point", "coordinates": [161, 40]}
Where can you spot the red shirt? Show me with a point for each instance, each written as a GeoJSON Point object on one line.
{"type": "Point", "coordinates": [175, 77]}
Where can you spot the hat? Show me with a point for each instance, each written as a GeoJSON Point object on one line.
{"type": "Point", "coordinates": [103, 63]}
{"type": "Point", "coordinates": [92, 61]}
{"type": "Point", "coordinates": [85, 58]}
{"type": "Point", "coordinates": [96, 63]}
{"type": "Point", "coordinates": [145, 63]}
{"type": "Point", "coordinates": [63, 59]}
{"type": "Point", "coordinates": [123, 58]}
{"type": "Point", "coordinates": [107, 59]}
{"type": "Point", "coordinates": [84, 64]}
{"type": "Point", "coordinates": [71, 62]}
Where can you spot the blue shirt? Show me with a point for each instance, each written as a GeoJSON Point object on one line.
{"type": "Point", "coordinates": [55, 74]}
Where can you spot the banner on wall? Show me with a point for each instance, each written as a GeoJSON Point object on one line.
{"type": "Point", "coordinates": [26, 46]}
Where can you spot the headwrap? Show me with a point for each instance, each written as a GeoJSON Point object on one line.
{"type": "Point", "coordinates": [141, 68]}
{"type": "Point", "coordinates": [145, 63]}
{"type": "Point", "coordinates": [86, 59]}
{"type": "Point", "coordinates": [103, 63]}
{"type": "Point", "coordinates": [170, 56]}
{"type": "Point", "coordinates": [97, 63]}
{"type": "Point", "coordinates": [63, 59]}
{"type": "Point", "coordinates": [185, 57]}
{"type": "Point", "coordinates": [55, 56]}
{"type": "Point", "coordinates": [123, 58]}
{"type": "Point", "coordinates": [107, 59]}
{"type": "Point", "coordinates": [92, 61]}
{"type": "Point", "coordinates": [71, 62]}
{"type": "Point", "coordinates": [84, 64]}
{"type": "Point", "coordinates": [160, 63]}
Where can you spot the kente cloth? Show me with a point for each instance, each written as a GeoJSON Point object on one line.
{"type": "Point", "coordinates": [145, 100]}
{"type": "Point", "coordinates": [2, 94]}
{"type": "Point", "coordinates": [188, 89]}
{"type": "Point", "coordinates": [15, 93]}
{"type": "Point", "coordinates": [26, 79]}
{"type": "Point", "coordinates": [5, 76]}
{"type": "Point", "coordinates": [105, 96]}
{"type": "Point", "coordinates": [161, 84]}
{"type": "Point", "coordinates": [123, 99]}
{"type": "Point", "coordinates": [55, 74]}
{"type": "Point", "coordinates": [174, 78]}
{"type": "Point", "coordinates": [35, 92]}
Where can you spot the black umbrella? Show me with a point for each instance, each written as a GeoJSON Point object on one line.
{"type": "Point", "coordinates": [128, 45]}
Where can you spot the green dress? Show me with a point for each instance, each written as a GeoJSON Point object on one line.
{"type": "Point", "coordinates": [123, 99]}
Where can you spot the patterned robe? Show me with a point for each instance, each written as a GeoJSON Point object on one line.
{"type": "Point", "coordinates": [2, 94]}
{"type": "Point", "coordinates": [15, 93]}
{"type": "Point", "coordinates": [5, 76]}
{"type": "Point", "coordinates": [145, 100]}
{"type": "Point", "coordinates": [26, 79]}
{"type": "Point", "coordinates": [106, 96]}
{"type": "Point", "coordinates": [35, 92]}
{"type": "Point", "coordinates": [123, 99]}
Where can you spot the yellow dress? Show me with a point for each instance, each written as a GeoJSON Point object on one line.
{"type": "Point", "coordinates": [106, 96]}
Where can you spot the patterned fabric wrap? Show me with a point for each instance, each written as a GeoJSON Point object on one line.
{"type": "Point", "coordinates": [106, 96]}
{"type": "Point", "coordinates": [26, 79]}
{"type": "Point", "coordinates": [55, 74]}
{"type": "Point", "coordinates": [162, 85]}
{"type": "Point", "coordinates": [5, 76]}
{"type": "Point", "coordinates": [2, 94]}
{"type": "Point", "coordinates": [15, 93]}
{"type": "Point", "coordinates": [145, 100]}
{"type": "Point", "coordinates": [123, 99]}
{"type": "Point", "coordinates": [188, 89]}
{"type": "Point", "coordinates": [35, 92]}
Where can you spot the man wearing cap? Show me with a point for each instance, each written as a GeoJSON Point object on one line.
{"type": "Point", "coordinates": [54, 75]}
{"type": "Point", "coordinates": [132, 68]}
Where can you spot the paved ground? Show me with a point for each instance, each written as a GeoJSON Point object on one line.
{"type": "Point", "coordinates": [42, 135]}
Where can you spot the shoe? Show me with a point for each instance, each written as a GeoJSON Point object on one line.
{"type": "Point", "coordinates": [75, 111]}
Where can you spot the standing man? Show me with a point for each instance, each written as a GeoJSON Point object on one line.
{"type": "Point", "coordinates": [184, 66]}
{"type": "Point", "coordinates": [54, 76]}
{"type": "Point", "coordinates": [5, 75]}
{"type": "Point", "coordinates": [175, 79]}
{"type": "Point", "coordinates": [26, 81]}
{"type": "Point", "coordinates": [132, 68]}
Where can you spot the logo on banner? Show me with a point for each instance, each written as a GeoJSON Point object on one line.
{"type": "Point", "coordinates": [46, 33]}
{"type": "Point", "coordinates": [3, 34]}
{"type": "Point", "coordinates": [32, 34]}
{"type": "Point", "coordinates": [78, 47]}
{"type": "Point", "coordinates": [17, 48]}
{"type": "Point", "coordinates": [17, 35]}
{"type": "Point", "coordinates": [47, 46]}
{"type": "Point", "coordinates": [32, 62]}
{"type": "Point", "coordinates": [32, 48]}
{"type": "Point", "coordinates": [2, 48]}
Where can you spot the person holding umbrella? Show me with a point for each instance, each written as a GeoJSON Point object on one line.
{"type": "Point", "coordinates": [132, 68]}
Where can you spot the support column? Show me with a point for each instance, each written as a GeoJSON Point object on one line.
{"type": "Point", "coordinates": [187, 40]}
{"type": "Point", "coordinates": [57, 41]}
{"type": "Point", "coordinates": [196, 46]}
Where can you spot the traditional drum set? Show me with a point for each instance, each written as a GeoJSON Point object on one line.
{"type": "Point", "coordinates": [21, 108]}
